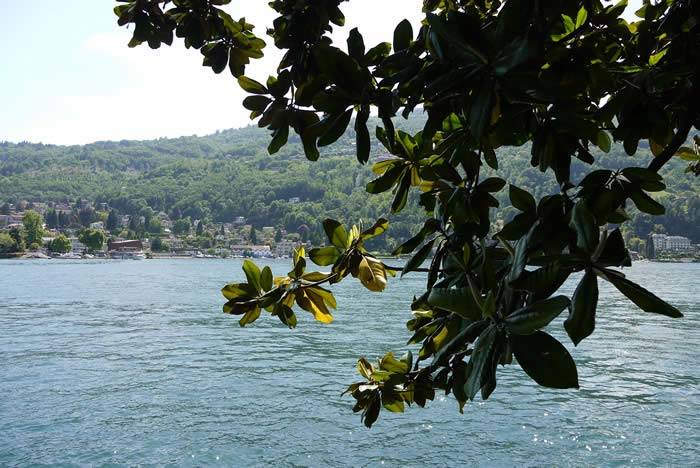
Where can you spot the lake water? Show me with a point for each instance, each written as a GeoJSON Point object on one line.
{"type": "Point", "coordinates": [133, 363]}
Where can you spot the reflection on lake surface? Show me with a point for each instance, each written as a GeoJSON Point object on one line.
{"type": "Point", "coordinates": [133, 362]}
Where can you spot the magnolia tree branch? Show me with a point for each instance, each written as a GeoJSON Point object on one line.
{"type": "Point", "coordinates": [672, 148]}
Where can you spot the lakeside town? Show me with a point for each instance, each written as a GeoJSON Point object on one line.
{"type": "Point", "coordinates": [86, 230]}
{"type": "Point", "coordinates": [83, 230]}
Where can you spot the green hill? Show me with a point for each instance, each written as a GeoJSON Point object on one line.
{"type": "Point", "coordinates": [229, 174]}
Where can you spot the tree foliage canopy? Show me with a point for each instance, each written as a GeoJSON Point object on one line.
{"type": "Point", "coordinates": [93, 239]}
{"type": "Point", "coordinates": [564, 76]}
{"type": "Point", "coordinates": [33, 227]}
{"type": "Point", "coordinates": [59, 244]}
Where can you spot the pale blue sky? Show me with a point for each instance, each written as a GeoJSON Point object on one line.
{"type": "Point", "coordinates": [68, 76]}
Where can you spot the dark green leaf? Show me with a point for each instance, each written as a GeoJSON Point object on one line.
{"type": "Point", "coordinates": [386, 181]}
{"type": "Point", "coordinates": [266, 279]}
{"type": "Point", "coordinates": [252, 273]}
{"type": "Point", "coordinates": [581, 321]}
{"type": "Point", "coordinates": [356, 45]}
{"type": "Point", "coordinates": [392, 401]}
{"type": "Point", "coordinates": [403, 35]}
{"type": "Point", "coordinates": [480, 360]}
{"type": "Point", "coordinates": [647, 204]}
{"type": "Point", "coordinates": [279, 139]}
{"type": "Point", "coordinates": [583, 222]}
{"type": "Point", "coordinates": [336, 233]}
{"type": "Point", "coordinates": [545, 360]}
{"type": "Point", "coordinates": [417, 260]}
{"type": "Point", "coordinates": [614, 252]}
{"type": "Point", "coordinates": [251, 86]}
{"type": "Point", "coordinates": [644, 299]}
{"type": "Point", "coordinates": [401, 196]}
{"type": "Point", "coordinates": [362, 140]}
{"type": "Point", "coordinates": [492, 184]}
{"type": "Point", "coordinates": [458, 300]}
{"type": "Point", "coordinates": [377, 229]}
{"type": "Point", "coordinates": [250, 317]}
{"type": "Point", "coordinates": [256, 103]}
{"type": "Point", "coordinates": [324, 256]}
{"type": "Point", "coordinates": [529, 319]}
{"type": "Point", "coordinates": [521, 199]}
{"type": "Point", "coordinates": [337, 126]}
{"type": "Point", "coordinates": [410, 245]}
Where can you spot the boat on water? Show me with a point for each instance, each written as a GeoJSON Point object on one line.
{"type": "Point", "coordinates": [127, 254]}
{"type": "Point", "coordinates": [70, 256]}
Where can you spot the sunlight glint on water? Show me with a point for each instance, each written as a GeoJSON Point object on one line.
{"type": "Point", "coordinates": [132, 362]}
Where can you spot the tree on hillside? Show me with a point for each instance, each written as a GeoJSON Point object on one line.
{"type": "Point", "coordinates": [52, 219]}
{"type": "Point", "coordinates": [157, 245]}
{"type": "Point", "coordinates": [33, 228]}
{"type": "Point", "coordinates": [86, 216]}
{"type": "Point", "coordinates": [659, 229]}
{"type": "Point", "coordinates": [59, 244]}
{"type": "Point", "coordinates": [63, 219]}
{"type": "Point", "coordinates": [93, 239]}
{"type": "Point", "coordinates": [182, 226]}
{"type": "Point", "coordinates": [7, 243]}
{"type": "Point", "coordinates": [253, 236]}
{"type": "Point", "coordinates": [18, 237]}
{"type": "Point", "coordinates": [112, 223]}
{"type": "Point", "coordinates": [567, 77]}
{"type": "Point", "coordinates": [200, 228]}
{"type": "Point", "coordinates": [5, 209]}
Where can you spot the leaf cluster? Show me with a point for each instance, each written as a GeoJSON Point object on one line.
{"type": "Point", "coordinates": [567, 77]}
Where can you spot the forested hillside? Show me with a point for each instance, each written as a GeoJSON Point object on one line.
{"type": "Point", "coordinates": [229, 174]}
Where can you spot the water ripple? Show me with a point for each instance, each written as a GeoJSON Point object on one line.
{"type": "Point", "coordinates": [133, 363]}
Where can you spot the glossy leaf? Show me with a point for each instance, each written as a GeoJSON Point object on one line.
{"type": "Point", "coordinates": [324, 256]}
{"type": "Point", "coordinates": [581, 321]}
{"type": "Point", "coordinates": [419, 258]}
{"type": "Point", "coordinates": [545, 360]}
{"type": "Point", "coordinates": [336, 128]}
{"type": "Point", "coordinates": [583, 222]}
{"type": "Point", "coordinates": [336, 233]}
{"type": "Point", "coordinates": [644, 299]}
{"type": "Point", "coordinates": [253, 274]}
{"type": "Point", "coordinates": [403, 35]}
{"type": "Point", "coordinates": [251, 86]}
{"type": "Point", "coordinates": [529, 319]}
{"type": "Point", "coordinates": [458, 300]}
{"type": "Point", "coordinates": [480, 360]}
{"type": "Point", "coordinates": [522, 199]}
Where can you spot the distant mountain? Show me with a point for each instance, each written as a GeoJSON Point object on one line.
{"type": "Point", "coordinates": [230, 174]}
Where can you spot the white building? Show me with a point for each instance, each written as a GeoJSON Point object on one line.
{"type": "Point", "coordinates": [285, 248]}
{"type": "Point", "coordinates": [257, 251]}
{"type": "Point", "coordinates": [662, 243]}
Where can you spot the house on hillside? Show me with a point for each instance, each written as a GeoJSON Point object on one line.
{"type": "Point", "coordinates": [257, 251]}
{"type": "Point", "coordinates": [125, 245]}
{"type": "Point", "coordinates": [286, 248]}
{"type": "Point", "coordinates": [663, 243]}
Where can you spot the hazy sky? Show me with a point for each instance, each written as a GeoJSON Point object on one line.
{"type": "Point", "coordinates": [68, 77]}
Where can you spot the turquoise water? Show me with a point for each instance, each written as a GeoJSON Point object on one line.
{"type": "Point", "coordinates": [133, 363]}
